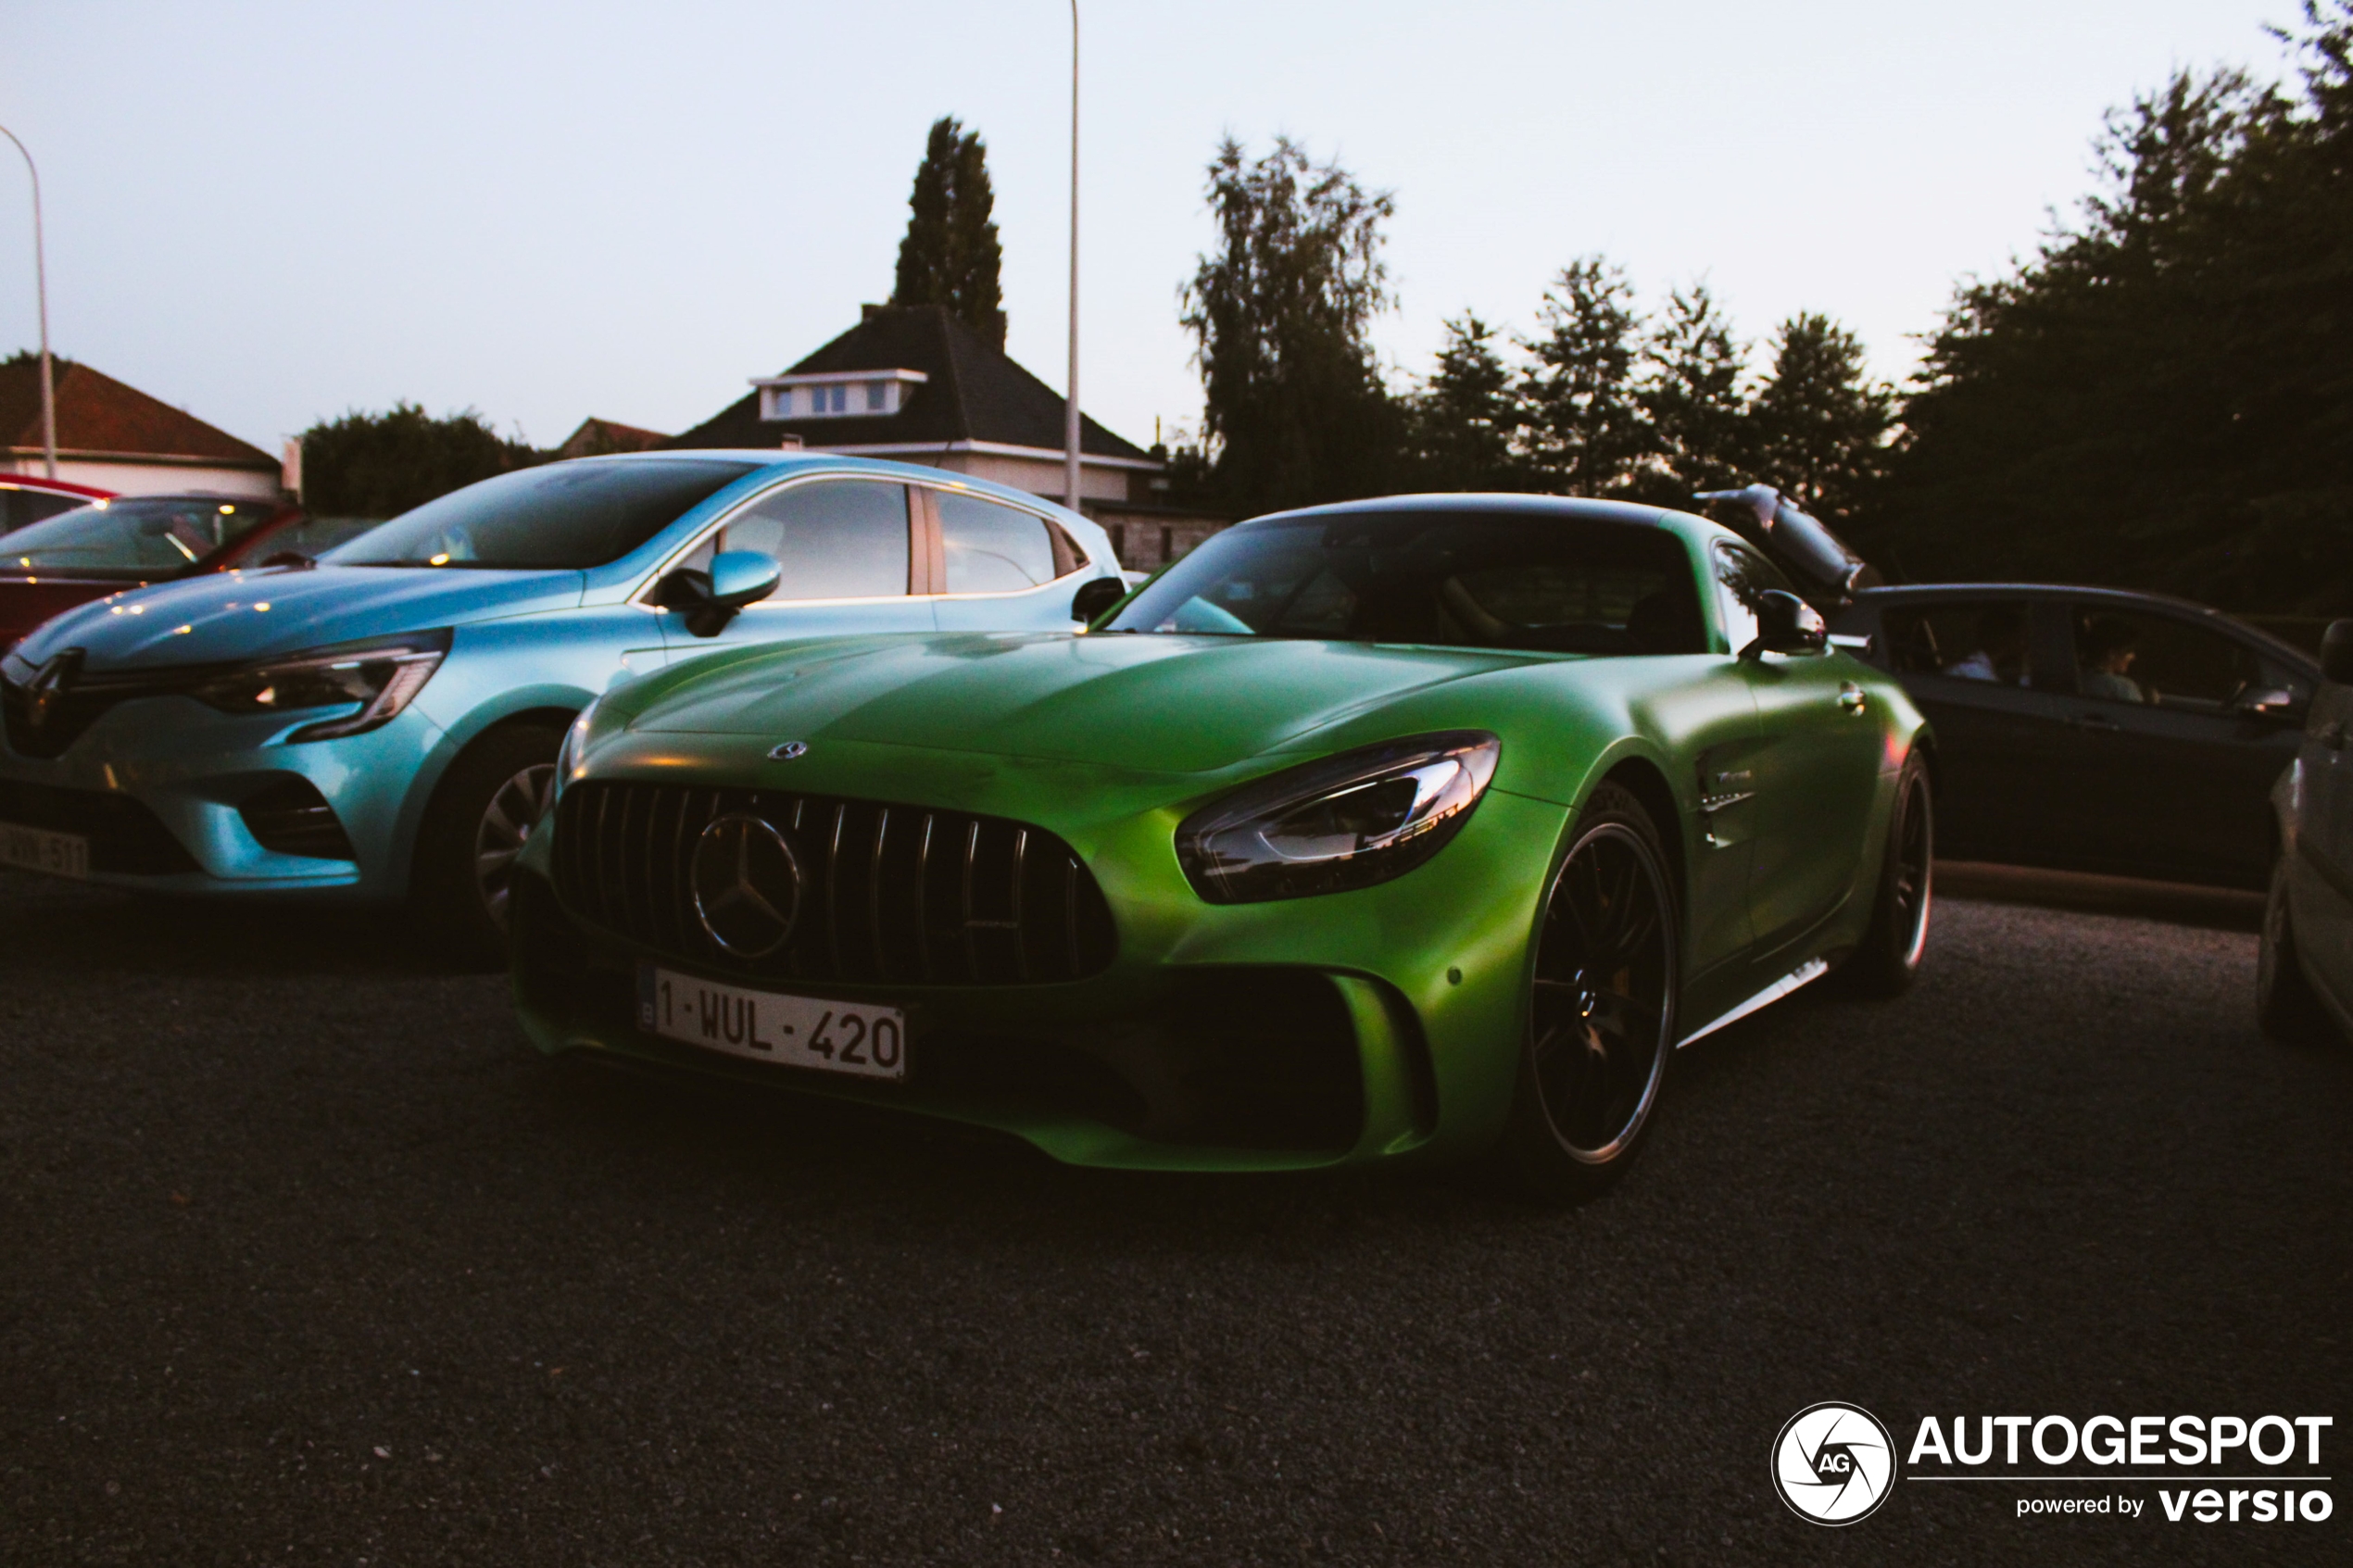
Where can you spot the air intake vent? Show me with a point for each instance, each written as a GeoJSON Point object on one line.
{"type": "Point", "coordinates": [291, 818]}
{"type": "Point", "coordinates": [890, 894]}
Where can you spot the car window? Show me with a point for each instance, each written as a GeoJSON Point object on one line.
{"type": "Point", "coordinates": [1455, 579]}
{"type": "Point", "coordinates": [1741, 576]}
{"type": "Point", "coordinates": [578, 514]}
{"type": "Point", "coordinates": [992, 548]}
{"type": "Point", "coordinates": [1962, 639]}
{"type": "Point", "coordinates": [140, 537]}
{"type": "Point", "coordinates": [2157, 661]}
{"type": "Point", "coordinates": [312, 536]}
{"type": "Point", "coordinates": [19, 508]}
{"type": "Point", "coordinates": [835, 539]}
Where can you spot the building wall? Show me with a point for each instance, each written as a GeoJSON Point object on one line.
{"type": "Point", "coordinates": [156, 478]}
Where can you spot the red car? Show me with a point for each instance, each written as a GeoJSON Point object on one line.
{"type": "Point", "coordinates": [24, 500]}
{"type": "Point", "coordinates": [130, 541]}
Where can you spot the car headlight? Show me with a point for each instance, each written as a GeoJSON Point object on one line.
{"type": "Point", "coordinates": [576, 748]}
{"type": "Point", "coordinates": [377, 678]}
{"type": "Point", "coordinates": [1347, 821]}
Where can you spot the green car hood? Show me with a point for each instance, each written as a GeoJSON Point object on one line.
{"type": "Point", "coordinates": [1117, 699]}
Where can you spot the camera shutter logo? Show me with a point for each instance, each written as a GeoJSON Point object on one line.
{"type": "Point", "coordinates": [745, 883]}
{"type": "Point", "coordinates": [1833, 1463]}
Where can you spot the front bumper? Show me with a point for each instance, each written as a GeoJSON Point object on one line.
{"type": "Point", "coordinates": [170, 794]}
{"type": "Point", "coordinates": [1355, 1028]}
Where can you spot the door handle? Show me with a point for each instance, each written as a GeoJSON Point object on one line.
{"type": "Point", "coordinates": [1850, 698]}
{"type": "Point", "coordinates": [2099, 722]}
{"type": "Point", "coordinates": [2331, 735]}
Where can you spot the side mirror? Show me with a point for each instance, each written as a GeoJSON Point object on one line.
{"type": "Point", "coordinates": [1786, 623]}
{"type": "Point", "coordinates": [711, 599]}
{"type": "Point", "coordinates": [1096, 595]}
{"type": "Point", "coordinates": [2336, 653]}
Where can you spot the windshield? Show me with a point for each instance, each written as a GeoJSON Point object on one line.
{"type": "Point", "coordinates": [1556, 584]}
{"type": "Point", "coordinates": [133, 539]}
{"type": "Point", "coordinates": [566, 515]}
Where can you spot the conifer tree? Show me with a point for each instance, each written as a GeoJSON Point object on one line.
{"type": "Point", "coordinates": [951, 255]}
{"type": "Point", "coordinates": [1466, 419]}
{"type": "Point", "coordinates": [1820, 423]}
{"type": "Point", "coordinates": [1587, 434]}
{"type": "Point", "coordinates": [1690, 392]}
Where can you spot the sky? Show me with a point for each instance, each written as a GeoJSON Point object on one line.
{"type": "Point", "coordinates": [270, 214]}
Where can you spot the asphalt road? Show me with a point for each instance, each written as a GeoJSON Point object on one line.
{"type": "Point", "coordinates": [306, 1258]}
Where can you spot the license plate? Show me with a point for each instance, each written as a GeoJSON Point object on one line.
{"type": "Point", "coordinates": [867, 1042]}
{"type": "Point", "coordinates": [37, 850]}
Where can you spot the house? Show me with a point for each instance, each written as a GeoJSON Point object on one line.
{"type": "Point", "coordinates": [118, 438]}
{"type": "Point", "coordinates": [596, 437]}
{"type": "Point", "coordinates": [915, 384]}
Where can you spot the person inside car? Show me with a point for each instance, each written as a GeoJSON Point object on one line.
{"type": "Point", "coordinates": [2109, 647]}
{"type": "Point", "coordinates": [2001, 648]}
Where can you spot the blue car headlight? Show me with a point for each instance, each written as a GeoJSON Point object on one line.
{"type": "Point", "coordinates": [1347, 821]}
{"type": "Point", "coordinates": [376, 678]}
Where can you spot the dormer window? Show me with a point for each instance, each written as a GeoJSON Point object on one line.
{"type": "Point", "coordinates": [828, 395]}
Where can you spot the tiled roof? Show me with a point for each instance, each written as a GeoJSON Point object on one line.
{"type": "Point", "coordinates": [972, 393]}
{"type": "Point", "coordinates": [97, 414]}
{"type": "Point", "coordinates": [595, 437]}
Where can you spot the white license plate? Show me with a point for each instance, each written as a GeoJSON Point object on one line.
{"type": "Point", "coordinates": [37, 850]}
{"type": "Point", "coordinates": [769, 1026]}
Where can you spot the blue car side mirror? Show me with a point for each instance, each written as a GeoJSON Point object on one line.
{"type": "Point", "coordinates": [711, 599]}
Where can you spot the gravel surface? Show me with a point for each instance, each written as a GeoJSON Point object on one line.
{"type": "Point", "coordinates": [306, 1258]}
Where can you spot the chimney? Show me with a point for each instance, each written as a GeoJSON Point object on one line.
{"type": "Point", "coordinates": [868, 312]}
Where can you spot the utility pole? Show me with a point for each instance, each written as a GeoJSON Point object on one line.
{"type": "Point", "coordinates": [1070, 405]}
{"type": "Point", "coordinates": [40, 273]}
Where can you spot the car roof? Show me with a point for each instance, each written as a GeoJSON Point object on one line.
{"type": "Point", "coordinates": [2120, 598]}
{"type": "Point", "coordinates": [1494, 503]}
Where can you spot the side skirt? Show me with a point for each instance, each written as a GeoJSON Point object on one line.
{"type": "Point", "coordinates": [1811, 969]}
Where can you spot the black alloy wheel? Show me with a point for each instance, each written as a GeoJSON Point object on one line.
{"type": "Point", "coordinates": [1601, 1006]}
{"type": "Point", "coordinates": [1888, 959]}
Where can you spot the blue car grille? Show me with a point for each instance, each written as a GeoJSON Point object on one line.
{"type": "Point", "coordinates": [888, 892]}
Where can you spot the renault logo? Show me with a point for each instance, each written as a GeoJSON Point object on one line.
{"type": "Point", "coordinates": [48, 682]}
{"type": "Point", "coordinates": [747, 884]}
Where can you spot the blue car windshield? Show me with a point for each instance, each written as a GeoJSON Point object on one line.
{"type": "Point", "coordinates": [1456, 578]}
{"type": "Point", "coordinates": [565, 515]}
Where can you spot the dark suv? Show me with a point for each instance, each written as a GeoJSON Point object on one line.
{"type": "Point", "coordinates": [2089, 729]}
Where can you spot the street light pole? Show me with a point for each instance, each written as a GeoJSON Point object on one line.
{"type": "Point", "coordinates": [41, 290]}
{"type": "Point", "coordinates": [1070, 405]}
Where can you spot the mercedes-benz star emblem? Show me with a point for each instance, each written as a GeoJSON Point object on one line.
{"type": "Point", "coordinates": [747, 884]}
{"type": "Point", "coordinates": [790, 751]}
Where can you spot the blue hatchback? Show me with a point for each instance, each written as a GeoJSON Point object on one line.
{"type": "Point", "coordinates": [384, 725]}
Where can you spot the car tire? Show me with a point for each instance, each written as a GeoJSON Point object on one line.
{"type": "Point", "coordinates": [1889, 958]}
{"type": "Point", "coordinates": [2285, 1005]}
{"type": "Point", "coordinates": [480, 816]}
{"type": "Point", "coordinates": [1600, 1013]}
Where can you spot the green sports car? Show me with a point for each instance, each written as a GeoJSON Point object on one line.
{"type": "Point", "coordinates": [1401, 829]}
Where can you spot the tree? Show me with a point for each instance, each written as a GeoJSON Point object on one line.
{"type": "Point", "coordinates": [1689, 392]}
{"type": "Point", "coordinates": [951, 255]}
{"type": "Point", "coordinates": [2158, 397]}
{"type": "Point", "coordinates": [1463, 423]}
{"type": "Point", "coordinates": [1586, 431]}
{"type": "Point", "coordinates": [1819, 425]}
{"type": "Point", "coordinates": [380, 465]}
{"type": "Point", "coordinates": [1295, 410]}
